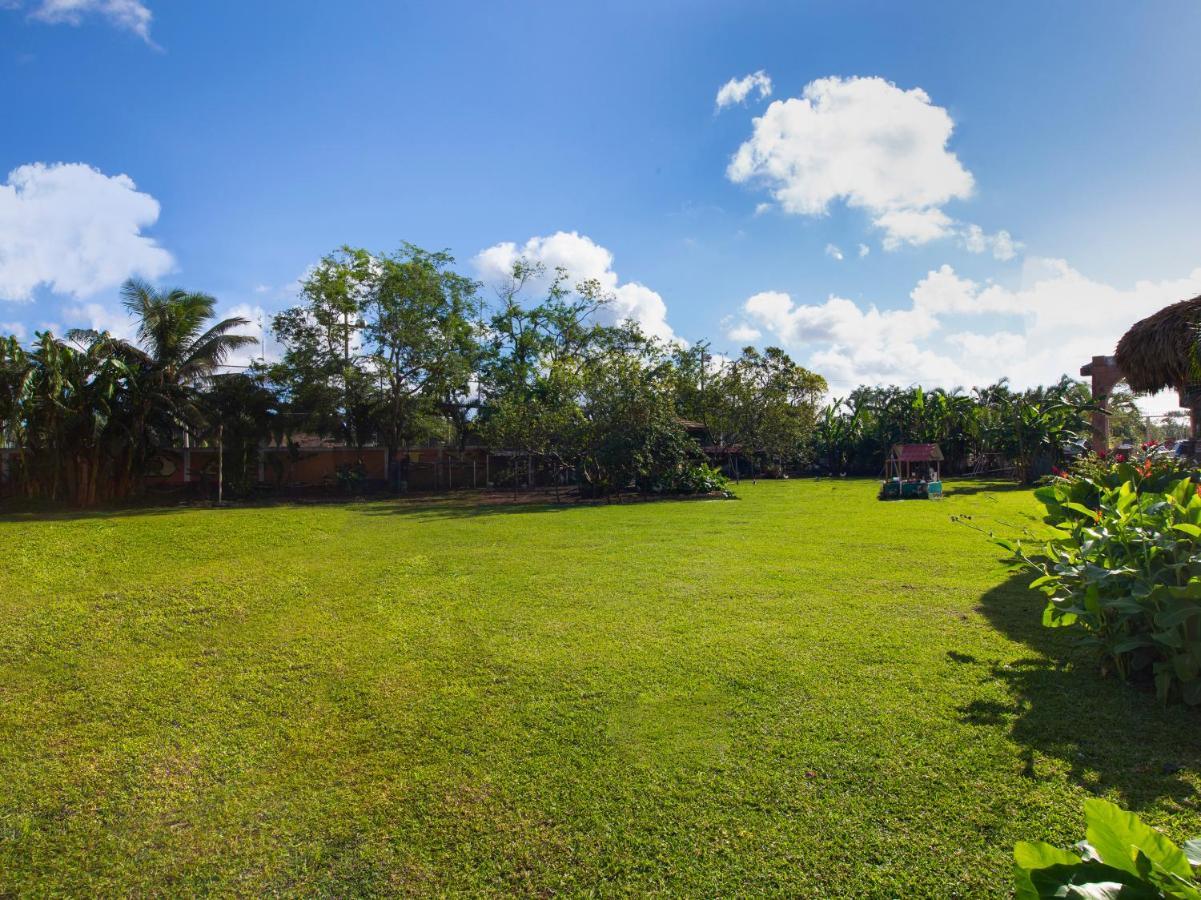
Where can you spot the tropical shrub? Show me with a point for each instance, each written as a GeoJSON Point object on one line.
{"type": "Point", "coordinates": [1144, 466]}
{"type": "Point", "coordinates": [1125, 567]}
{"type": "Point", "coordinates": [695, 479]}
{"type": "Point", "coordinates": [1120, 857]}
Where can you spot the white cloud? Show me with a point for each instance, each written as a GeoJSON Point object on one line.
{"type": "Point", "coordinates": [16, 329]}
{"type": "Point", "coordinates": [736, 90]}
{"type": "Point", "coordinates": [583, 259]}
{"type": "Point", "coordinates": [1001, 245]}
{"type": "Point", "coordinates": [129, 15]}
{"type": "Point", "coordinates": [864, 250]}
{"type": "Point", "coordinates": [761, 208]}
{"type": "Point", "coordinates": [101, 317]}
{"type": "Point", "coordinates": [259, 329]}
{"type": "Point", "coordinates": [958, 332]}
{"type": "Point", "coordinates": [75, 230]}
{"type": "Point", "coordinates": [864, 141]}
{"type": "Point", "coordinates": [996, 346]}
{"type": "Point", "coordinates": [913, 226]}
{"type": "Point", "coordinates": [834, 252]}
{"type": "Point", "coordinates": [741, 332]}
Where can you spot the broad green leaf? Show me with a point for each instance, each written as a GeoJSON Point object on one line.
{"type": "Point", "coordinates": [1185, 528]}
{"type": "Point", "coordinates": [1040, 855]}
{"type": "Point", "coordinates": [1174, 617]}
{"type": "Point", "coordinates": [1091, 880]}
{"type": "Point", "coordinates": [1053, 617]}
{"type": "Point", "coordinates": [1185, 667]}
{"type": "Point", "coordinates": [1023, 887]}
{"type": "Point", "coordinates": [1080, 508]}
{"type": "Point", "coordinates": [1118, 835]}
{"type": "Point", "coordinates": [1169, 638]}
{"type": "Point", "coordinates": [1191, 694]}
{"type": "Point", "coordinates": [1192, 851]}
{"type": "Point", "coordinates": [1131, 644]}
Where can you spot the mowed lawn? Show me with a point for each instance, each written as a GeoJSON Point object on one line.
{"type": "Point", "coordinates": [803, 691]}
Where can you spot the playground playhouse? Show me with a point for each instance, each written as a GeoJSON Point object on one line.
{"type": "Point", "coordinates": [912, 472]}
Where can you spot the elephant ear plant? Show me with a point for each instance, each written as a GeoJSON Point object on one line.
{"type": "Point", "coordinates": [1124, 566]}
{"type": "Point", "coordinates": [1120, 857]}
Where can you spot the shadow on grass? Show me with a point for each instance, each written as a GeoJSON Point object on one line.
{"type": "Point", "coordinates": [1110, 735]}
{"type": "Point", "coordinates": [465, 508]}
{"type": "Point", "coordinates": [475, 505]}
{"type": "Point", "coordinates": [56, 513]}
{"type": "Point", "coordinates": [966, 488]}
{"type": "Point", "coordinates": [468, 504]}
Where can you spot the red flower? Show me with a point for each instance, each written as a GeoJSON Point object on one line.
{"type": "Point", "coordinates": [1101, 454]}
{"type": "Point", "coordinates": [1121, 457]}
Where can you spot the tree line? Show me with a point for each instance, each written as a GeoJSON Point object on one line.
{"type": "Point", "coordinates": [395, 349]}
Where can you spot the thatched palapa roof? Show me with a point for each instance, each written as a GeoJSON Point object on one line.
{"type": "Point", "coordinates": [1160, 351]}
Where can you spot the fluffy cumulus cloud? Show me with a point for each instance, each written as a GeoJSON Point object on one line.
{"type": "Point", "coordinates": [1001, 245]}
{"type": "Point", "coordinates": [863, 141]}
{"type": "Point", "coordinates": [259, 328]}
{"type": "Point", "coordinates": [101, 317]}
{"type": "Point", "coordinates": [75, 230]}
{"type": "Point", "coordinates": [834, 252]}
{"type": "Point", "coordinates": [736, 90]}
{"type": "Point", "coordinates": [584, 259]}
{"type": "Point", "coordinates": [130, 15]}
{"type": "Point", "coordinates": [741, 333]}
{"type": "Point", "coordinates": [959, 332]}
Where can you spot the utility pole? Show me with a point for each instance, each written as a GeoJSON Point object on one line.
{"type": "Point", "coordinates": [220, 463]}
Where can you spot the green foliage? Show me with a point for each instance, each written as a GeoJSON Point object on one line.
{"type": "Point", "coordinates": [1121, 857]}
{"type": "Point", "coordinates": [630, 435]}
{"type": "Point", "coordinates": [765, 404]}
{"type": "Point", "coordinates": [1019, 429]}
{"type": "Point", "coordinates": [693, 479]}
{"type": "Point", "coordinates": [245, 411]}
{"type": "Point", "coordinates": [1125, 567]}
{"type": "Point", "coordinates": [1144, 467]}
{"type": "Point", "coordinates": [89, 415]}
{"type": "Point", "coordinates": [378, 342]}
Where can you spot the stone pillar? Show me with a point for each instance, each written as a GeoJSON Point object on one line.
{"type": "Point", "coordinates": [1105, 374]}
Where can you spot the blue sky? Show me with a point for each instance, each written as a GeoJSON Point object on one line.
{"type": "Point", "coordinates": [261, 135]}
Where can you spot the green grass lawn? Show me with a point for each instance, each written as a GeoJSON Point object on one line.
{"type": "Point", "coordinates": [803, 691]}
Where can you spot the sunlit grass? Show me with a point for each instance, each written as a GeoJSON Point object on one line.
{"type": "Point", "coordinates": [802, 691]}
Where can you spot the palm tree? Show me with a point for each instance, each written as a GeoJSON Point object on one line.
{"type": "Point", "coordinates": [173, 335]}
{"type": "Point", "coordinates": [178, 351]}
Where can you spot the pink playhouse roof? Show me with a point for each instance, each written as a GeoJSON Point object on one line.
{"type": "Point", "coordinates": [912, 453]}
